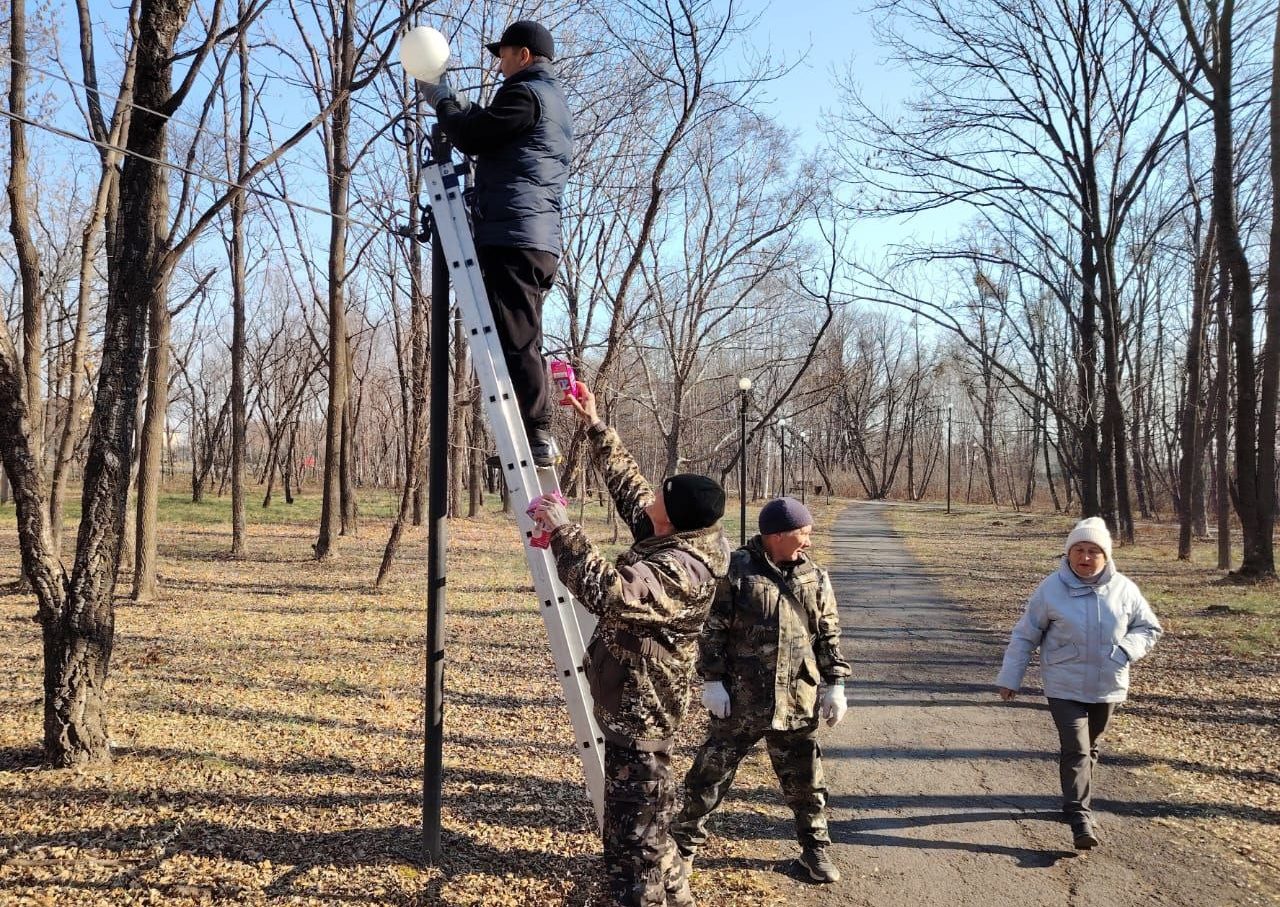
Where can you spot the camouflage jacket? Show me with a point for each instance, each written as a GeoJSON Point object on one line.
{"type": "Point", "coordinates": [772, 636]}
{"type": "Point", "coordinates": [651, 605]}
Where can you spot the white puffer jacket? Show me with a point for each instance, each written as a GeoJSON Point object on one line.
{"type": "Point", "coordinates": [1088, 635]}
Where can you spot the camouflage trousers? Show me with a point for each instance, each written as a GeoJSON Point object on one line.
{"type": "Point", "coordinates": [797, 761]}
{"type": "Point", "coordinates": [643, 865]}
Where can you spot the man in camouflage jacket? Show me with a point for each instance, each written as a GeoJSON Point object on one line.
{"type": "Point", "coordinates": [651, 605]}
{"type": "Point", "coordinates": [773, 636]}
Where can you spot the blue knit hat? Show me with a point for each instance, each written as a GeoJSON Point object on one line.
{"type": "Point", "coordinates": [783, 515]}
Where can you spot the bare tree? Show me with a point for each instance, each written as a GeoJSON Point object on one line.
{"type": "Point", "coordinates": [1211, 34]}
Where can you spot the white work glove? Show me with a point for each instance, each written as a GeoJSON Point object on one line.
{"type": "Point", "coordinates": [715, 698]}
{"type": "Point", "coordinates": [550, 515]}
{"type": "Point", "coordinates": [833, 705]}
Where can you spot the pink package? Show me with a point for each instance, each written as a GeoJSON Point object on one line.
{"type": "Point", "coordinates": [540, 537]}
{"type": "Point", "coordinates": [564, 378]}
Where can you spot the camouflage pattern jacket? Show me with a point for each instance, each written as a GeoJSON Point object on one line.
{"type": "Point", "coordinates": [772, 636]}
{"type": "Point", "coordinates": [651, 606]}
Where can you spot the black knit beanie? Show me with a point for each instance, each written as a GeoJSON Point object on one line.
{"type": "Point", "coordinates": [692, 501]}
{"type": "Point", "coordinates": [783, 515]}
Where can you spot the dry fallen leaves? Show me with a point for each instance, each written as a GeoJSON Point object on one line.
{"type": "Point", "coordinates": [267, 727]}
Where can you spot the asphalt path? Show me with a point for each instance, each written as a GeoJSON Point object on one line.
{"type": "Point", "coordinates": [941, 794]}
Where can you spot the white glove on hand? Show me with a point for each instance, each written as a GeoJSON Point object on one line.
{"type": "Point", "coordinates": [715, 698]}
{"type": "Point", "coordinates": [833, 705]}
{"type": "Point", "coordinates": [550, 515]}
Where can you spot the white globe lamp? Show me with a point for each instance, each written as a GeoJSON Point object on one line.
{"type": "Point", "coordinates": [424, 53]}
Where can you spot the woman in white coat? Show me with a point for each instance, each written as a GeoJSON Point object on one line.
{"type": "Point", "coordinates": [1090, 623]}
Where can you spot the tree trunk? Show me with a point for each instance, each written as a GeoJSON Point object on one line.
{"type": "Point", "coordinates": [151, 451]}
{"type": "Point", "coordinates": [1222, 428]}
{"type": "Point", "coordinates": [79, 347]}
{"type": "Point", "coordinates": [475, 453]}
{"type": "Point", "coordinates": [1189, 432]}
{"type": "Point", "coordinates": [1255, 528]}
{"type": "Point", "coordinates": [347, 471]}
{"type": "Point", "coordinates": [79, 631]}
{"type": "Point", "coordinates": [1264, 563]}
{"type": "Point", "coordinates": [339, 181]}
{"type": "Point", "coordinates": [20, 227]}
{"type": "Point", "coordinates": [239, 415]}
{"type": "Point", "coordinates": [458, 417]}
{"type": "Point", "coordinates": [1088, 473]}
{"type": "Point", "coordinates": [286, 474]}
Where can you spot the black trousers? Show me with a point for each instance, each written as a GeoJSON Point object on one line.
{"type": "Point", "coordinates": [517, 281]}
{"type": "Point", "coordinates": [1080, 724]}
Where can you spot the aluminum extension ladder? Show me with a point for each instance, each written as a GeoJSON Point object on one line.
{"type": "Point", "coordinates": [564, 619]}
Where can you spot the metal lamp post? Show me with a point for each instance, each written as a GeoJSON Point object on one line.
{"type": "Point", "coordinates": [437, 532]}
{"type": "Point", "coordinates": [744, 388]}
{"type": "Point", "coordinates": [782, 436]}
{"type": "Point", "coordinates": [950, 408]}
{"type": "Point", "coordinates": [804, 464]}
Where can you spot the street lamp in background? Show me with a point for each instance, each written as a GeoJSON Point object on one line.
{"type": "Point", "coordinates": [744, 388]}
{"type": "Point", "coordinates": [782, 435]}
{"type": "Point", "coordinates": [950, 408]}
{"type": "Point", "coordinates": [804, 463]}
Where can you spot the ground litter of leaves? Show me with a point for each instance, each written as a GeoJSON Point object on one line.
{"type": "Point", "coordinates": [267, 722]}
{"type": "Point", "coordinates": [1203, 717]}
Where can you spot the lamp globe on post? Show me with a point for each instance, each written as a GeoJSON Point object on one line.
{"type": "Point", "coordinates": [744, 388]}
{"type": "Point", "coordinates": [424, 53]}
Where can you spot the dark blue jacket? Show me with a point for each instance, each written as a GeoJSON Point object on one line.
{"type": "Point", "coordinates": [522, 143]}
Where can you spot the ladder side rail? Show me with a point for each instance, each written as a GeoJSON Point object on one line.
{"type": "Point", "coordinates": [559, 610]}
{"type": "Point", "coordinates": [499, 393]}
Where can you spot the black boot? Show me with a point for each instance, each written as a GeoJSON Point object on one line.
{"type": "Point", "coordinates": [543, 447]}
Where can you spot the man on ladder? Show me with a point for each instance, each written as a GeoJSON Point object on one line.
{"type": "Point", "coordinates": [651, 607]}
{"type": "Point", "coordinates": [522, 144]}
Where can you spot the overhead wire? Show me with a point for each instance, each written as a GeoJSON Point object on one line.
{"type": "Point", "coordinates": [191, 171]}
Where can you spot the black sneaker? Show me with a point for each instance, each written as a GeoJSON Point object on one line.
{"type": "Point", "coordinates": [1085, 836]}
{"type": "Point", "coordinates": [543, 447]}
{"type": "Point", "coordinates": [818, 864]}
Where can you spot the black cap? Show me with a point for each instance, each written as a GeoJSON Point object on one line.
{"type": "Point", "coordinates": [692, 501]}
{"type": "Point", "coordinates": [526, 34]}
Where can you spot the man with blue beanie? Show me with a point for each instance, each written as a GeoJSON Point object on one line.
{"type": "Point", "coordinates": [522, 144]}
{"type": "Point", "coordinates": [770, 661]}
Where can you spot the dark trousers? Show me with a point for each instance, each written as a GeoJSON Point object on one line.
{"type": "Point", "coordinates": [797, 761]}
{"type": "Point", "coordinates": [641, 860]}
{"type": "Point", "coordinates": [1080, 724]}
{"type": "Point", "coordinates": [517, 281]}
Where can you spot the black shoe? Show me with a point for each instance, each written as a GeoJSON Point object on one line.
{"type": "Point", "coordinates": [818, 864]}
{"type": "Point", "coordinates": [1085, 835]}
{"type": "Point", "coordinates": [543, 447]}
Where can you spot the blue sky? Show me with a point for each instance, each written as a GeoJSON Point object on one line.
{"type": "Point", "coordinates": [823, 37]}
{"type": "Point", "coordinates": [828, 35]}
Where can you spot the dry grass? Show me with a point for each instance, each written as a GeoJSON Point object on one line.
{"type": "Point", "coordinates": [1204, 717]}
{"type": "Point", "coordinates": [267, 719]}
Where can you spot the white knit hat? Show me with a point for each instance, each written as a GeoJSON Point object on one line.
{"type": "Point", "coordinates": [1090, 529]}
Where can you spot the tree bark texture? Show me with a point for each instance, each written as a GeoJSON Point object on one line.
{"type": "Point", "coordinates": [239, 414]}
{"type": "Point", "coordinates": [339, 368]}
{"type": "Point", "coordinates": [20, 227]}
{"type": "Point", "coordinates": [151, 451]}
